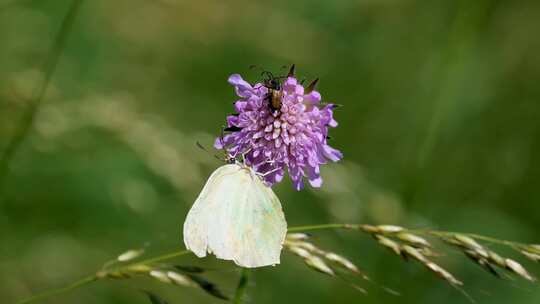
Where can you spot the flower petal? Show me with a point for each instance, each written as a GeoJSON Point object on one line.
{"type": "Point", "coordinates": [243, 88]}
{"type": "Point", "coordinates": [331, 153]}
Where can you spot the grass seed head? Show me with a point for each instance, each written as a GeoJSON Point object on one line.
{"type": "Point", "coordinates": [531, 256]}
{"type": "Point", "coordinates": [518, 269]}
{"type": "Point", "coordinates": [130, 255]}
{"type": "Point", "coordinates": [318, 264]}
{"type": "Point", "coordinates": [467, 242]}
{"type": "Point", "coordinates": [414, 253]}
{"type": "Point", "coordinates": [180, 279]}
{"type": "Point", "coordinates": [389, 229]}
{"type": "Point", "coordinates": [333, 257]}
{"type": "Point", "coordinates": [301, 252]}
{"type": "Point", "coordinates": [534, 249]}
{"type": "Point", "coordinates": [496, 259]}
{"type": "Point", "coordinates": [298, 236]}
{"type": "Point", "coordinates": [443, 274]}
{"type": "Point", "coordinates": [160, 276]}
{"type": "Point", "coordinates": [139, 268]}
{"type": "Point", "coordinates": [413, 239]}
{"type": "Point", "coordinates": [388, 243]}
{"type": "Point", "coordinates": [309, 247]}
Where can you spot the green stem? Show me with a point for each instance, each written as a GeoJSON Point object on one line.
{"type": "Point", "coordinates": [53, 292]}
{"type": "Point", "coordinates": [242, 284]}
{"type": "Point", "coordinates": [318, 227]}
{"type": "Point", "coordinates": [37, 95]}
{"type": "Point", "coordinates": [417, 231]}
{"type": "Point", "coordinates": [161, 258]}
{"type": "Point", "coordinates": [242, 287]}
{"type": "Point", "coordinates": [102, 274]}
{"type": "Point", "coordinates": [487, 239]}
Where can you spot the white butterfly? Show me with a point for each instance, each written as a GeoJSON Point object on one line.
{"type": "Point", "coordinates": [236, 217]}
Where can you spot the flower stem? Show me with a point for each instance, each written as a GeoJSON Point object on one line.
{"type": "Point", "coordinates": [242, 287]}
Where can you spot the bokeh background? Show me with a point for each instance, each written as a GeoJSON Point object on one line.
{"type": "Point", "coordinates": [440, 127]}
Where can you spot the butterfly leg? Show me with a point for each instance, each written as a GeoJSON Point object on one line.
{"type": "Point", "coordinates": [269, 172]}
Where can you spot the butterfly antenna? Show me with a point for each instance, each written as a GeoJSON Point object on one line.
{"type": "Point", "coordinates": [206, 150]}
{"type": "Point", "coordinates": [201, 146]}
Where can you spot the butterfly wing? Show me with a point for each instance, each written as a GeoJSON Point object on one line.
{"type": "Point", "coordinates": [237, 218]}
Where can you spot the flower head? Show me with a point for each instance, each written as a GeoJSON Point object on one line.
{"type": "Point", "coordinates": [292, 136]}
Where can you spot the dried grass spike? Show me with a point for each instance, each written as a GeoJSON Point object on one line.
{"type": "Point", "coordinates": [413, 239]}
{"type": "Point", "coordinates": [318, 264]}
{"type": "Point", "coordinates": [534, 249]}
{"type": "Point", "coordinates": [496, 259]}
{"type": "Point", "coordinates": [531, 256]}
{"type": "Point", "coordinates": [390, 229]}
{"type": "Point", "coordinates": [388, 243]}
{"type": "Point", "coordinates": [481, 258]}
{"type": "Point", "coordinates": [115, 275]}
{"type": "Point", "coordinates": [467, 242]}
{"type": "Point", "coordinates": [414, 253]}
{"type": "Point", "coordinates": [180, 279]}
{"type": "Point", "coordinates": [160, 276]}
{"type": "Point", "coordinates": [130, 255]}
{"type": "Point", "coordinates": [298, 236]}
{"type": "Point", "coordinates": [301, 252]}
{"type": "Point", "coordinates": [443, 274]}
{"type": "Point", "coordinates": [370, 229]}
{"type": "Point", "coordinates": [333, 257]}
{"type": "Point", "coordinates": [139, 268]}
{"type": "Point", "coordinates": [309, 247]}
{"type": "Point", "coordinates": [518, 269]}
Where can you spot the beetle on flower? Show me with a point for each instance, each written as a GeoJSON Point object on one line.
{"type": "Point", "coordinates": [292, 137]}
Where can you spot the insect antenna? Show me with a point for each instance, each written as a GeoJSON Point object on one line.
{"type": "Point", "coordinates": [206, 150]}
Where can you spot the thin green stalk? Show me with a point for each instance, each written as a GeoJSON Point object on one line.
{"type": "Point", "coordinates": [101, 274]}
{"type": "Point", "coordinates": [39, 92]}
{"type": "Point", "coordinates": [318, 227]}
{"type": "Point", "coordinates": [471, 235]}
{"type": "Point", "coordinates": [161, 258]}
{"type": "Point", "coordinates": [53, 292]}
{"type": "Point", "coordinates": [242, 286]}
{"type": "Point", "coordinates": [418, 231]}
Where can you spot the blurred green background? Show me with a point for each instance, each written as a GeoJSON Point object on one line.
{"type": "Point", "coordinates": [440, 128]}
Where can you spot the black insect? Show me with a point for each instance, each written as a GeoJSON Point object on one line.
{"type": "Point", "coordinates": [274, 86]}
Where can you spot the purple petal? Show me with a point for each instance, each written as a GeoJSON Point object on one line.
{"type": "Point", "coordinates": [298, 184]}
{"type": "Point", "coordinates": [218, 143]}
{"type": "Point", "coordinates": [313, 98]}
{"type": "Point", "coordinates": [316, 182]}
{"type": "Point", "coordinates": [243, 88]}
{"type": "Point", "coordinates": [331, 153]}
{"type": "Point", "coordinates": [232, 120]}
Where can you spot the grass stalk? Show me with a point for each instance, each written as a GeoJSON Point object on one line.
{"type": "Point", "coordinates": [242, 287]}
{"type": "Point", "coordinates": [49, 67]}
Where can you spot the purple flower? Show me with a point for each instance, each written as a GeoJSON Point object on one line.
{"type": "Point", "coordinates": [293, 136]}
